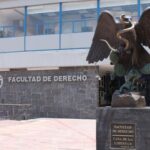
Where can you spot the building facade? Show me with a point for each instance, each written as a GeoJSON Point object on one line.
{"type": "Point", "coordinates": [43, 49]}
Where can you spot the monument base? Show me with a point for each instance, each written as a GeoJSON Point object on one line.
{"type": "Point", "coordinates": [123, 128]}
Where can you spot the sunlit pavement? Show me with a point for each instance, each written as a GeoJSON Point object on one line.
{"type": "Point", "coordinates": [48, 134]}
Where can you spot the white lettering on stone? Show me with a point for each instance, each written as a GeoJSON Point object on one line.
{"type": "Point", "coordinates": [44, 78]}
{"type": "Point", "coordinates": [13, 79]}
{"type": "Point", "coordinates": [18, 79]}
{"type": "Point", "coordinates": [9, 79]}
{"type": "Point", "coordinates": [55, 78]}
{"type": "Point", "coordinates": [69, 78]}
{"type": "Point", "coordinates": [74, 78]}
{"type": "Point", "coordinates": [38, 78]}
{"type": "Point", "coordinates": [64, 78]}
{"type": "Point", "coordinates": [29, 78]}
{"type": "Point", "coordinates": [84, 78]}
{"type": "Point", "coordinates": [60, 78]}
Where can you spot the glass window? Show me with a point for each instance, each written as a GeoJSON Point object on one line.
{"type": "Point", "coordinates": [43, 19]}
{"type": "Point", "coordinates": [11, 22]}
{"type": "Point", "coordinates": [79, 17]}
{"type": "Point", "coordinates": [119, 7]}
{"type": "Point", "coordinates": [144, 4]}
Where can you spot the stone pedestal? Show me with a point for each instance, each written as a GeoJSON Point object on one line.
{"type": "Point", "coordinates": [123, 128]}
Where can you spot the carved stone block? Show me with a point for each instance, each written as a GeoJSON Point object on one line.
{"type": "Point", "coordinates": [131, 99]}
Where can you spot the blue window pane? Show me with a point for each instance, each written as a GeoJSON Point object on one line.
{"type": "Point", "coordinates": [79, 17]}
{"type": "Point", "coordinates": [67, 26]}
{"type": "Point", "coordinates": [12, 22]}
{"type": "Point", "coordinates": [42, 20]}
{"type": "Point", "coordinates": [144, 4]}
{"type": "Point", "coordinates": [119, 7]}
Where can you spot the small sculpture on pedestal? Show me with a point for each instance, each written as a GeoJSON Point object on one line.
{"type": "Point", "coordinates": [126, 42]}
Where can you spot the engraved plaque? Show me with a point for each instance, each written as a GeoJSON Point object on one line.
{"type": "Point", "coordinates": [122, 135]}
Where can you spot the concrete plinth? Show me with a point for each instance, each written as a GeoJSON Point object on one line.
{"type": "Point", "coordinates": [123, 128]}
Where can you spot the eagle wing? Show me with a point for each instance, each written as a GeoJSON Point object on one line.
{"type": "Point", "coordinates": [143, 28]}
{"type": "Point", "coordinates": [106, 29]}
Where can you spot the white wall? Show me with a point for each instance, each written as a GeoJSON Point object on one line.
{"type": "Point", "coordinates": [63, 58]}
{"type": "Point", "coordinates": [45, 56]}
{"type": "Point", "coordinates": [42, 42]}
{"type": "Point", "coordinates": [11, 44]}
{"type": "Point", "coordinates": [45, 42]}
{"type": "Point", "coordinates": [21, 3]}
{"type": "Point", "coordinates": [75, 40]}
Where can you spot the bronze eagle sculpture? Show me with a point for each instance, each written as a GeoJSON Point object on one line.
{"type": "Point", "coordinates": [124, 41]}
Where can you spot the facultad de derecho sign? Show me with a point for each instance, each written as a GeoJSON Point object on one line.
{"type": "Point", "coordinates": [55, 78]}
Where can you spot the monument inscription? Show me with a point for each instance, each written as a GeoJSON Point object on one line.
{"type": "Point", "coordinates": [123, 135]}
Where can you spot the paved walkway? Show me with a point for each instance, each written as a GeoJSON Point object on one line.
{"type": "Point", "coordinates": [48, 134]}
